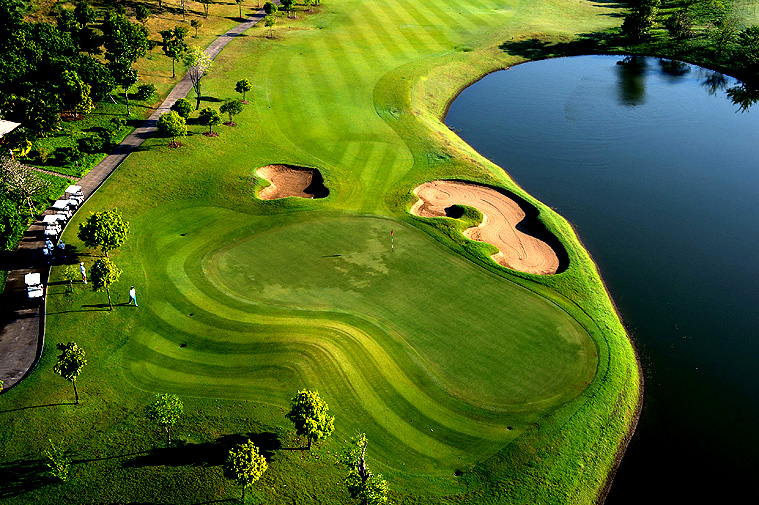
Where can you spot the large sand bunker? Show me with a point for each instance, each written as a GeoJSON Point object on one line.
{"type": "Point", "coordinates": [287, 180]}
{"type": "Point", "coordinates": [505, 224]}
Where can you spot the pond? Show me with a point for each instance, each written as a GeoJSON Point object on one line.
{"type": "Point", "coordinates": [658, 170]}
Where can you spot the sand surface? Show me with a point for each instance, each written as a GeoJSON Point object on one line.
{"type": "Point", "coordinates": [517, 250]}
{"type": "Point", "coordinates": [285, 181]}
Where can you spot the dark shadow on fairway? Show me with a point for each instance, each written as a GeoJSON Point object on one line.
{"type": "Point", "coordinates": [37, 407]}
{"type": "Point", "coordinates": [101, 306]}
{"type": "Point", "coordinates": [21, 476]}
{"type": "Point", "coordinates": [536, 48]}
{"type": "Point", "coordinates": [106, 458]}
{"type": "Point", "coordinates": [205, 454]}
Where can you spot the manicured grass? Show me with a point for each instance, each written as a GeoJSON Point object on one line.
{"type": "Point", "coordinates": [525, 384]}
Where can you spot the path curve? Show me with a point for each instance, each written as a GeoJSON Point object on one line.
{"type": "Point", "coordinates": [500, 226]}
{"type": "Point", "coordinates": [22, 333]}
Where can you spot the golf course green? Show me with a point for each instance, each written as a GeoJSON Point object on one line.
{"type": "Point", "coordinates": [474, 383]}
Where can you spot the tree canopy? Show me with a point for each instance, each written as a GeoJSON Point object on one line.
{"type": "Point", "coordinates": [172, 125]}
{"type": "Point", "coordinates": [198, 64]}
{"type": "Point", "coordinates": [183, 107]}
{"type": "Point", "coordinates": [105, 229]}
{"type": "Point", "coordinates": [165, 410]}
{"type": "Point", "coordinates": [209, 117]}
{"type": "Point", "coordinates": [103, 274]}
{"type": "Point", "coordinates": [21, 182]}
{"type": "Point", "coordinates": [231, 107]}
{"type": "Point", "coordinates": [368, 488]}
{"type": "Point", "coordinates": [174, 45]}
{"type": "Point", "coordinates": [310, 415]}
{"type": "Point", "coordinates": [243, 86]}
{"type": "Point", "coordinates": [70, 363]}
{"type": "Point", "coordinates": [246, 465]}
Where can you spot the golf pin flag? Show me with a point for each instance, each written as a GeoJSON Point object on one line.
{"type": "Point", "coordinates": [391, 233]}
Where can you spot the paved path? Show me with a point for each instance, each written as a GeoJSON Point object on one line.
{"type": "Point", "coordinates": [22, 321]}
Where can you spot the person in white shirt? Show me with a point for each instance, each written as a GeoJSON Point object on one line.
{"type": "Point", "coordinates": [132, 296]}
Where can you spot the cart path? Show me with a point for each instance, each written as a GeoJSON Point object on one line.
{"type": "Point", "coordinates": [22, 321]}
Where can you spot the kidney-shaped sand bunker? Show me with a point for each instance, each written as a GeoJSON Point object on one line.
{"type": "Point", "coordinates": [289, 180]}
{"type": "Point", "coordinates": [510, 223]}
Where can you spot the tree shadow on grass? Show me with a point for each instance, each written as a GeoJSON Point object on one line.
{"type": "Point", "coordinates": [22, 476]}
{"type": "Point", "coordinates": [37, 407]}
{"type": "Point", "coordinates": [535, 48]}
{"type": "Point", "coordinates": [207, 453]}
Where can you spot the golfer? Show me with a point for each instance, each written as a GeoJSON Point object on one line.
{"type": "Point", "coordinates": [132, 296]}
{"type": "Point", "coordinates": [84, 273]}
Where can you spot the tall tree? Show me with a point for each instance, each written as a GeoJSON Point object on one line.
{"type": "Point", "coordinates": [196, 23]}
{"type": "Point", "coordinates": [205, 3]}
{"type": "Point", "coordinates": [246, 465]}
{"type": "Point", "coordinates": [75, 93]}
{"type": "Point", "coordinates": [198, 65]}
{"type": "Point", "coordinates": [165, 410]}
{"type": "Point", "coordinates": [105, 229]}
{"type": "Point", "coordinates": [183, 107]}
{"type": "Point", "coordinates": [269, 22]}
{"type": "Point", "coordinates": [680, 25]}
{"type": "Point", "coordinates": [70, 363]}
{"type": "Point", "coordinates": [174, 45]}
{"type": "Point", "coordinates": [243, 86]}
{"type": "Point", "coordinates": [57, 461]}
{"type": "Point", "coordinates": [172, 125]}
{"type": "Point", "coordinates": [310, 415]}
{"type": "Point", "coordinates": [209, 117]}
{"type": "Point", "coordinates": [270, 8]}
{"type": "Point", "coordinates": [103, 274]}
{"type": "Point", "coordinates": [748, 40]}
{"type": "Point", "coordinates": [638, 23]}
{"type": "Point", "coordinates": [125, 42]}
{"type": "Point", "coordinates": [232, 108]}
{"type": "Point", "coordinates": [142, 14]}
{"type": "Point", "coordinates": [288, 6]}
{"type": "Point", "coordinates": [368, 488]}
{"type": "Point", "coordinates": [22, 182]}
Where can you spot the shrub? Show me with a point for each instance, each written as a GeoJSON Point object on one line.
{"type": "Point", "coordinates": [117, 123]}
{"type": "Point", "coordinates": [98, 143]}
{"type": "Point", "coordinates": [146, 92]}
{"type": "Point", "coordinates": [68, 155]}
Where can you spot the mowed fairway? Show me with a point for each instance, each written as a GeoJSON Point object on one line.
{"type": "Point", "coordinates": [474, 384]}
{"type": "Point", "coordinates": [435, 358]}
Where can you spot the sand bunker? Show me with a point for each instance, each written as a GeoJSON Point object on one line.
{"type": "Point", "coordinates": [287, 180]}
{"type": "Point", "coordinates": [502, 225]}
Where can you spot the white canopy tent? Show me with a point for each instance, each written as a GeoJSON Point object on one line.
{"type": "Point", "coordinates": [7, 127]}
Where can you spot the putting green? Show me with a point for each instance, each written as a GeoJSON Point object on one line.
{"type": "Point", "coordinates": [386, 335]}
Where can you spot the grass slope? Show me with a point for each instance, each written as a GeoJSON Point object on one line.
{"type": "Point", "coordinates": [255, 292]}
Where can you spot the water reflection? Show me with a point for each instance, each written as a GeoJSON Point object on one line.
{"type": "Point", "coordinates": [743, 96]}
{"type": "Point", "coordinates": [632, 80]}
{"type": "Point", "coordinates": [713, 81]}
{"type": "Point", "coordinates": [674, 68]}
{"type": "Point", "coordinates": [632, 72]}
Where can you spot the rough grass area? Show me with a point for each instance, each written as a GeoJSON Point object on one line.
{"type": "Point", "coordinates": [475, 384]}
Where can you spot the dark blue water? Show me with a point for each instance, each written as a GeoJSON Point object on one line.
{"type": "Point", "coordinates": [659, 172]}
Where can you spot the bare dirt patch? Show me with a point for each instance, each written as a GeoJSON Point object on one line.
{"type": "Point", "coordinates": [504, 224]}
{"type": "Point", "coordinates": [288, 180]}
